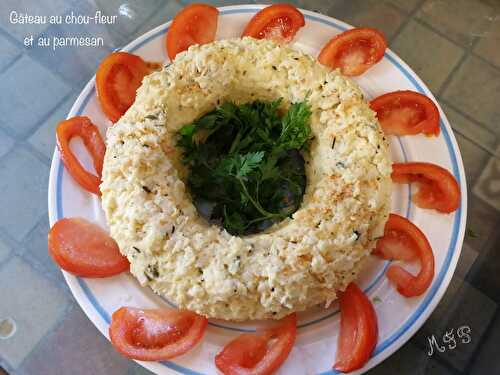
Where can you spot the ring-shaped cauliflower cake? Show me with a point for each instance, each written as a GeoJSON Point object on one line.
{"type": "Point", "coordinates": [295, 264]}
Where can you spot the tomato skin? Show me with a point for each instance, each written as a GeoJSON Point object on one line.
{"type": "Point", "coordinates": [358, 330]}
{"type": "Point", "coordinates": [407, 284]}
{"type": "Point", "coordinates": [194, 24]}
{"type": "Point", "coordinates": [252, 353]}
{"type": "Point", "coordinates": [438, 189]}
{"type": "Point", "coordinates": [155, 334]}
{"type": "Point", "coordinates": [85, 249]}
{"type": "Point", "coordinates": [81, 126]}
{"type": "Point", "coordinates": [406, 113]}
{"type": "Point", "coordinates": [279, 21]}
{"type": "Point", "coordinates": [396, 245]}
{"type": "Point", "coordinates": [354, 51]}
{"type": "Point", "coordinates": [117, 79]}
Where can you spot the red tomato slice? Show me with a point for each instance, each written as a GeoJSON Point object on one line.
{"type": "Point", "coordinates": [354, 51]}
{"type": "Point", "coordinates": [117, 79]}
{"type": "Point", "coordinates": [155, 334]}
{"type": "Point", "coordinates": [194, 24]}
{"type": "Point", "coordinates": [396, 245]}
{"type": "Point", "coordinates": [81, 126]}
{"type": "Point", "coordinates": [85, 249]}
{"type": "Point", "coordinates": [358, 330]}
{"type": "Point", "coordinates": [438, 189]}
{"type": "Point", "coordinates": [278, 22]}
{"type": "Point", "coordinates": [407, 284]}
{"type": "Point", "coordinates": [406, 113]}
{"type": "Point", "coordinates": [259, 353]}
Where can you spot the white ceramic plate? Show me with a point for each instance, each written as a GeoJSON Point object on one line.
{"type": "Point", "coordinates": [314, 352]}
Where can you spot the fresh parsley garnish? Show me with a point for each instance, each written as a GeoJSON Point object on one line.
{"type": "Point", "coordinates": [246, 170]}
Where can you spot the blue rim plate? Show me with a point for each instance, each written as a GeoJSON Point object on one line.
{"type": "Point", "coordinates": [314, 352]}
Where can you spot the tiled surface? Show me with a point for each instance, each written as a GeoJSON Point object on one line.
{"type": "Point", "coordinates": [460, 20]}
{"type": "Point", "coordinates": [8, 52]}
{"type": "Point", "coordinates": [34, 90]}
{"type": "Point", "coordinates": [488, 185]}
{"type": "Point", "coordinates": [43, 139]}
{"type": "Point", "coordinates": [34, 250]}
{"type": "Point", "coordinates": [418, 46]}
{"type": "Point", "coordinates": [6, 143]}
{"type": "Point", "coordinates": [35, 8]}
{"type": "Point", "coordinates": [369, 13]}
{"type": "Point", "coordinates": [24, 194]}
{"type": "Point", "coordinates": [34, 304]}
{"type": "Point", "coordinates": [131, 14]}
{"type": "Point", "coordinates": [484, 274]}
{"type": "Point", "coordinates": [406, 5]}
{"type": "Point", "coordinates": [5, 251]}
{"type": "Point", "coordinates": [163, 14]}
{"type": "Point", "coordinates": [487, 47]}
{"type": "Point", "coordinates": [477, 314]}
{"type": "Point", "coordinates": [477, 77]}
{"type": "Point", "coordinates": [482, 363]}
{"type": "Point", "coordinates": [75, 341]}
{"type": "Point", "coordinates": [411, 360]}
{"type": "Point", "coordinates": [451, 44]}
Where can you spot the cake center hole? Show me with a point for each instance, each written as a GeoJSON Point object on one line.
{"type": "Point", "coordinates": [246, 169]}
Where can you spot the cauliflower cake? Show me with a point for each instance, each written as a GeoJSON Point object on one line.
{"type": "Point", "coordinates": [295, 264]}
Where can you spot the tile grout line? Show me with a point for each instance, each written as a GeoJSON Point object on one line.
{"type": "Point", "coordinates": [482, 147]}
{"type": "Point", "coordinates": [51, 332]}
{"type": "Point", "coordinates": [487, 333]}
{"type": "Point", "coordinates": [443, 35]}
{"type": "Point", "coordinates": [452, 73]}
{"type": "Point", "coordinates": [27, 146]}
{"type": "Point", "coordinates": [10, 64]}
{"type": "Point", "coordinates": [409, 17]}
{"type": "Point", "coordinates": [473, 120]}
{"type": "Point", "coordinates": [139, 26]}
{"type": "Point", "coordinates": [13, 40]}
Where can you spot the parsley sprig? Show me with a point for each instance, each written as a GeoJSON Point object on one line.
{"type": "Point", "coordinates": [246, 170]}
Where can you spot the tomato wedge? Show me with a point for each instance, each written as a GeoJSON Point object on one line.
{"type": "Point", "coordinates": [155, 334]}
{"type": "Point", "coordinates": [438, 189]}
{"type": "Point", "coordinates": [279, 22]}
{"type": "Point", "coordinates": [194, 24]}
{"type": "Point", "coordinates": [117, 79]}
{"type": "Point", "coordinates": [85, 249]}
{"type": "Point", "coordinates": [401, 229]}
{"type": "Point", "coordinates": [396, 245]}
{"type": "Point", "coordinates": [406, 113]}
{"type": "Point", "coordinates": [354, 51]}
{"type": "Point", "coordinates": [259, 353]}
{"type": "Point", "coordinates": [358, 330]}
{"type": "Point", "coordinates": [82, 127]}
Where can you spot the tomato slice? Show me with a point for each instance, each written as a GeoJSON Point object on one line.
{"type": "Point", "coordinates": [279, 22]}
{"type": "Point", "coordinates": [358, 330]}
{"type": "Point", "coordinates": [396, 245]}
{"type": "Point", "coordinates": [117, 79]}
{"type": "Point", "coordinates": [85, 249]}
{"type": "Point", "coordinates": [82, 127]}
{"type": "Point", "coordinates": [155, 334]}
{"type": "Point", "coordinates": [194, 24]}
{"type": "Point", "coordinates": [406, 113]}
{"type": "Point", "coordinates": [401, 229]}
{"type": "Point", "coordinates": [438, 189]}
{"type": "Point", "coordinates": [354, 51]}
{"type": "Point", "coordinates": [259, 353]}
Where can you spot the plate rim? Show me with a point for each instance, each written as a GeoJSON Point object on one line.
{"type": "Point", "coordinates": [428, 302]}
